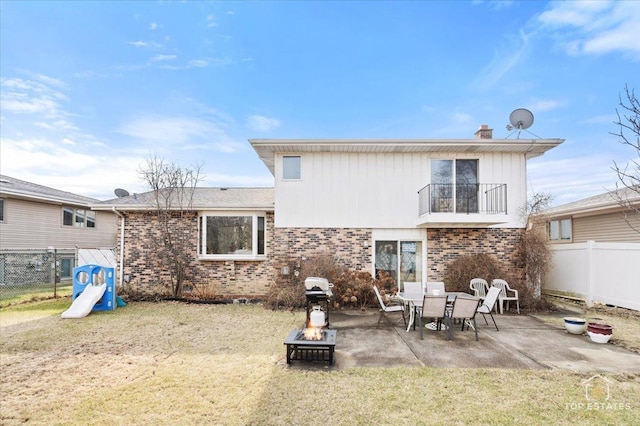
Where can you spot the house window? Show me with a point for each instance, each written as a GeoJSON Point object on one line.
{"type": "Point", "coordinates": [231, 237]}
{"type": "Point", "coordinates": [454, 186]}
{"type": "Point", "coordinates": [66, 268]}
{"type": "Point", "coordinates": [291, 167]}
{"type": "Point", "coordinates": [1, 210]}
{"type": "Point", "coordinates": [79, 218]}
{"type": "Point", "coordinates": [560, 230]}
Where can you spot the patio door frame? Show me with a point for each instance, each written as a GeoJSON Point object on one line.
{"type": "Point", "coordinates": [398, 238]}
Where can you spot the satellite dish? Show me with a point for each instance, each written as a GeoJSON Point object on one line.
{"type": "Point", "coordinates": [521, 118]}
{"type": "Point", "coordinates": [121, 192]}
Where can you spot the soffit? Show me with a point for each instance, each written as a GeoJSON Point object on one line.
{"type": "Point", "coordinates": [268, 148]}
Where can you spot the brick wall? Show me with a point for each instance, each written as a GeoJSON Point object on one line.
{"type": "Point", "coordinates": [145, 262]}
{"type": "Point", "coordinates": [351, 247]}
{"type": "Point", "coordinates": [445, 245]}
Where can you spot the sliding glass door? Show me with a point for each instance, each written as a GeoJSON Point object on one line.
{"type": "Point", "coordinates": [454, 186]}
{"type": "Point", "coordinates": [399, 260]}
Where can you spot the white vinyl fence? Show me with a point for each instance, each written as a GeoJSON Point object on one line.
{"type": "Point", "coordinates": [597, 272]}
{"type": "Point", "coordinates": [102, 257]}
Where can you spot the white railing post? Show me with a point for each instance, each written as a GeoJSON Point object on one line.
{"type": "Point", "coordinates": [590, 278]}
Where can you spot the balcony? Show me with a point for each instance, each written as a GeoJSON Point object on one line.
{"type": "Point", "coordinates": [463, 204]}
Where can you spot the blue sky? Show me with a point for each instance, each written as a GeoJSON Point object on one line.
{"type": "Point", "coordinates": [90, 90]}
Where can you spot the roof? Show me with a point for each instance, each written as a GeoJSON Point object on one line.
{"type": "Point", "coordinates": [267, 148]}
{"type": "Point", "coordinates": [598, 203]}
{"type": "Point", "coordinates": [203, 199]}
{"type": "Point", "coordinates": [16, 188]}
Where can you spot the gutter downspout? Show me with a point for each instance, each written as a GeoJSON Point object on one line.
{"type": "Point", "coordinates": [121, 273]}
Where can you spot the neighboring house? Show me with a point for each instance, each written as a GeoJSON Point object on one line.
{"type": "Point", "coordinates": [406, 207]}
{"type": "Point", "coordinates": [36, 218]}
{"type": "Point", "coordinates": [596, 249]}
{"type": "Point", "coordinates": [610, 217]}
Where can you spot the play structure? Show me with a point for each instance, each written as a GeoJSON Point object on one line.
{"type": "Point", "coordinates": [93, 290]}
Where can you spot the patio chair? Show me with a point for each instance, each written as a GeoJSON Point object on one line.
{"type": "Point", "coordinates": [507, 294]}
{"type": "Point", "coordinates": [384, 309]}
{"type": "Point", "coordinates": [432, 307]}
{"type": "Point", "coordinates": [435, 285]}
{"type": "Point", "coordinates": [488, 304]}
{"type": "Point", "coordinates": [414, 287]}
{"type": "Point", "coordinates": [411, 287]}
{"type": "Point", "coordinates": [464, 309]}
{"type": "Point", "coordinates": [480, 287]}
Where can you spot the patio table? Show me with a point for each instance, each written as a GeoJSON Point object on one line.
{"type": "Point", "coordinates": [415, 300]}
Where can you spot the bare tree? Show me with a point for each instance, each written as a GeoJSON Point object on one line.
{"type": "Point", "coordinates": [173, 188]}
{"type": "Point", "coordinates": [533, 250]}
{"type": "Point", "coordinates": [628, 187]}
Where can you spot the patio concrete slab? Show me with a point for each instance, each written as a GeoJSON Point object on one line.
{"type": "Point", "coordinates": [522, 342]}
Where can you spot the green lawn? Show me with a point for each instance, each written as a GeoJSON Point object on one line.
{"type": "Point", "coordinates": [171, 363]}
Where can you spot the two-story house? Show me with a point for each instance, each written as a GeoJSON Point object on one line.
{"type": "Point", "coordinates": [36, 220]}
{"type": "Point", "coordinates": [406, 207]}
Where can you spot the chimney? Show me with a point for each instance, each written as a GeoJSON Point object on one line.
{"type": "Point", "coordinates": [484, 132]}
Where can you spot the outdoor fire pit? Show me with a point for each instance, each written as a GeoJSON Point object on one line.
{"type": "Point", "coordinates": [315, 342]}
{"type": "Point", "coordinates": [301, 348]}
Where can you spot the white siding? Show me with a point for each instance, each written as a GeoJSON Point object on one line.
{"type": "Point", "coordinates": [28, 225]}
{"type": "Point", "coordinates": [369, 190]}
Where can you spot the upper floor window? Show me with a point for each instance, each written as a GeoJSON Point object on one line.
{"type": "Point", "coordinates": [560, 230]}
{"type": "Point", "coordinates": [291, 167]}
{"type": "Point", "coordinates": [233, 237]}
{"type": "Point", "coordinates": [79, 218]}
{"type": "Point", "coordinates": [1, 209]}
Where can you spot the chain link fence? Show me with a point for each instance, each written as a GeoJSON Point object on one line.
{"type": "Point", "coordinates": [27, 274]}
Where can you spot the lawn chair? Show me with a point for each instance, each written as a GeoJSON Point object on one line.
{"type": "Point", "coordinates": [413, 287]}
{"type": "Point", "coordinates": [464, 309]}
{"type": "Point", "coordinates": [384, 309]}
{"type": "Point", "coordinates": [488, 304]}
{"type": "Point", "coordinates": [433, 307]}
{"type": "Point", "coordinates": [480, 287]}
{"type": "Point", "coordinates": [435, 285]}
{"type": "Point", "coordinates": [507, 294]}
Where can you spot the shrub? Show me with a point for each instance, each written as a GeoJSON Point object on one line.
{"type": "Point", "coordinates": [351, 289]}
{"type": "Point", "coordinates": [462, 270]}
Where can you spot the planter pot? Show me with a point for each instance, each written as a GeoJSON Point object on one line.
{"type": "Point", "coordinates": [575, 325]}
{"type": "Point", "coordinates": [599, 338]}
{"type": "Point", "coordinates": [595, 328]}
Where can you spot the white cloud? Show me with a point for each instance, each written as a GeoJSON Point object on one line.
{"type": "Point", "coordinates": [541, 105]}
{"type": "Point", "coordinates": [68, 141]}
{"type": "Point", "coordinates": [259, 123]}
{"type": "Point", "coordinates": [167, 132]}
{"type": "Point", "coordinates": [58, 166]}
{"type": "Point", "coordinates": [504, 59]}
{"type": "Point", "coordinates": [198, 63]}
{"type": "Point", "coordinates": [153, 26]}
{"type": "Point", "coordinates": [566, 179]}
{"type": "Point", "coordinates": [149, 44]}
{"type": "Point", "coordinates": [594, 27]}
{"type": "Point", "coordinates": [31, 97]}
{"type": "Point", "coordinates": [163, 58]}
{"type": "Point", "coordinates": [211, 21]}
